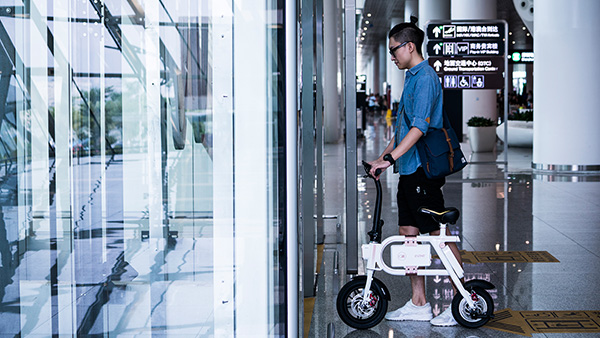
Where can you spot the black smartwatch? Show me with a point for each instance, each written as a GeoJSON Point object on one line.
{"type": "Point", "coordinates": [389, 158]}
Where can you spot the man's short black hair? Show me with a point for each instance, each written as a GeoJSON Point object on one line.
{"type": "Point", "coordinates": [408, 31]}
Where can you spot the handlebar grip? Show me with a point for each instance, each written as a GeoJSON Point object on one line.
{"type": "Point", "coordinates": [367, 167]}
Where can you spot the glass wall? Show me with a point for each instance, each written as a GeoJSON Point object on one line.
{"type": "Point", "coordinates": [142, 173]}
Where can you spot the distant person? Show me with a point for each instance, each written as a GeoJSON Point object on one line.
{"type": "Point", "coordinates": [372, 103]}
{"type": "Point", "coordinates": [381, 104]}
{"type": "Point", "coordinates": [422, 103]}
{"type": "Point", "coordinates": [388, 125]}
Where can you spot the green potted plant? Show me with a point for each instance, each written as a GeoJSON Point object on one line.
{"type": "Point", "coordinates": [482, 134]}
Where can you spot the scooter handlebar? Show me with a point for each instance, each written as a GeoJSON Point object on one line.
{"type": "Point", "coordinates": [368, 167]}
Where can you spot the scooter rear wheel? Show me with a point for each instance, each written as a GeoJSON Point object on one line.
{"type": "Point", "coordinates": [473, 317]}
{"type": "Point", "coordinates": [356, 313]}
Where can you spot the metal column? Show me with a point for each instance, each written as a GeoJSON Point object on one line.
{"type": "Point", "coordinates": [319, 116]}
{"type": "Point", "coordinates": [350, 113]}
{"type": "Point", "coordinates": [308, 148]}
{"type": "Point", "coordinates": [291, 126]}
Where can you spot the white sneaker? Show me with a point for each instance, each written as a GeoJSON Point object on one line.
{"type": "Point", "coordinates": [411, 311]}
{"type": "Point", "coordinates": [444, 319]}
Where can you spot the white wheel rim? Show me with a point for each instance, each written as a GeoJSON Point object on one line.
{"type": "Point", "coordinates": [356, 307]}
{"type": "Point", "coordinates": [465, 310]}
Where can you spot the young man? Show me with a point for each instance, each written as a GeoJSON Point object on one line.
{"type": "Point", "coordinates": [420, 109]}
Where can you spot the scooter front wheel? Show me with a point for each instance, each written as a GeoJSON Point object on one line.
{"type": "Point", "coordinates": [357, 313]}
{"type": "Point", "coordinates": [473, 317]}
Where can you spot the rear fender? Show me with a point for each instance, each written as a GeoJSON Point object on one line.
{"type": "Point", "coordinates": [478, 283]}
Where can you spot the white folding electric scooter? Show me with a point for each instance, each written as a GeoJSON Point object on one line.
{"type": "Point", "coordinates": [362, 302]}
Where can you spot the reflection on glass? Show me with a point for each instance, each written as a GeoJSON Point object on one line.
{"type": "Point", "coordinates": [116, 217]}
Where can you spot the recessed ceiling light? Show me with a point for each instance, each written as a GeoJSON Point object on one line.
{"type": "Point", "coordinates": [364, 33]}
{"type": "Point", "coordinates": [509, 33]}
{"type": "Point", "coordinates": [524, 28]}
{"type": "Point", "coordinates": [365, 28]}
{"type": "Point", "coordinates": [363, 39]}
{"type": "Point", "coordinates": [369, 15]}
{"type": "Point", "coordinates": [513, 42]}
{"type": "Point", "coordinates": [367, 22]}
{"type": "Point", "coordinates": [528, 34]}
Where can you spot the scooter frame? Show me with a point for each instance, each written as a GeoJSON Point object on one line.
{"type": "Point", "coordinates": [413, 255]}
{"type": "Point", "coordinates": [372, 253]}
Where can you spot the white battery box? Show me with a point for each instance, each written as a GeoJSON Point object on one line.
{"type": "Point", "coordinates": [410, 255]}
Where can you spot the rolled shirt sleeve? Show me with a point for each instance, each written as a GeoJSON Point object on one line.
{"type": "Point", "coordinates": [426, 103]}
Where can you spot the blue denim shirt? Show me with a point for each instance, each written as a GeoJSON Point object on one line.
{"type": "Point", "coordinates": [422, 103]}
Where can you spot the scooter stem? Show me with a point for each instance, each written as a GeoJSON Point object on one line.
{"type": "Point", "coordinates": [375, 233]}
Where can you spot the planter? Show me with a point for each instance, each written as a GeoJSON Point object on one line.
{"type": "Point", "coordinates": [482, 139]}
{"type": "Point", "coordinates": [519, 133]}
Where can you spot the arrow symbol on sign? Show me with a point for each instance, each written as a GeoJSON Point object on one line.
{"type": "Point", "coordinates": [437, 48]}
{"type": "Point", "coordinates": [437, 279]}
{"type": "Point", "coordinates": [436, 294]}
{"type": "Point", "coordinates": [437, 31]}
{"type": "Point", "coordinates": [437, 65]}
{"type": "Point", "coordinates": [436, 310]}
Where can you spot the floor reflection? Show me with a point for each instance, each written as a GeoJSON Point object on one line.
{"type": "Point", "coordinates": [105, 276]}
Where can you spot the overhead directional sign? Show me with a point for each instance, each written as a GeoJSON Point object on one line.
{"type": "Point", "coordinates": [451, 48]}
{"type": "Point", "coordinates": [468, 55]}
{"type": "Point", "coordinates": [474, 30]}
{"type": "Point", "coordinates": [469, 73]}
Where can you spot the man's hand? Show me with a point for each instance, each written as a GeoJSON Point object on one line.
{"type": "Point", "coordinates": [378, 164]}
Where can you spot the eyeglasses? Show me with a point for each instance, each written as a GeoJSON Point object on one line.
{"type": "Point", "coordinates": [393, 49]}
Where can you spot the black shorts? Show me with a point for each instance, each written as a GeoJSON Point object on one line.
{"type": "Point", "coordinates": [416, 191]}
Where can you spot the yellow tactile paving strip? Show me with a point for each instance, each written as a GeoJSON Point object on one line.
{"type": "Point", "coordinates": [474, 257]}
{"type": "Point", "coordinates": [525, 323]}
{"type": "Point", "coordinates": [309, 303]}
{"type": "Point", "coordinates": [320, 248]}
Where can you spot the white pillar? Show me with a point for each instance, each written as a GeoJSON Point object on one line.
{"type": "Point", "coordinates": [411, 7]}
{"type": "Point", "coordinates": [395, 75]}
{"type": "Point", "coordinates": [566, 98]}
{"type": "Point", "coordinates": [375, 72]}
{"type": "Point", "coordinates": [371, 84]}
{"type": "Point", "coordinates": [473, 9]}
{"type": "Point", "coordinates": [383, 53]}
{"type": "Point", "coordinates": [332, 115]}
{"type": "Point", "coordinates": [433, 10]}
{"type": "Point", "coordinates": [476, 102]}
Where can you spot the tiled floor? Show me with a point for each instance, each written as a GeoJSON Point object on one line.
{"type": "Point", "coordinates": [503, 208]}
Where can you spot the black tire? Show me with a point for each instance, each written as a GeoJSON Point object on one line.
{"type": "Point", "coordinates": [355, 315]}
{"type": "Point", "coordinates": [467, 317]}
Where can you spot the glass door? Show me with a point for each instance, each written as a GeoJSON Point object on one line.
{"type": "Point", "coordinates": [142, 173]}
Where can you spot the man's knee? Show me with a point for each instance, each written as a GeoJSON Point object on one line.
{"type": "Point", "coordinates": [408, 230]}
